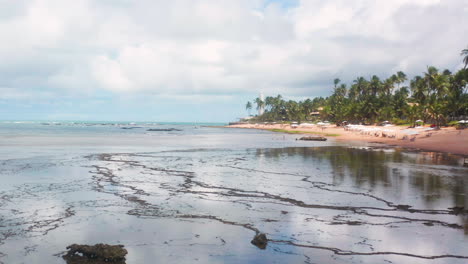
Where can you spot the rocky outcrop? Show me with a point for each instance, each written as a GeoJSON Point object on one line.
{"type": "Point", "coordinates": [260, 240]}
{"type": "Point", "coordinates": [164, 129]}
{"type": "Point", "coordinates": [313, 138]}
{"type": "Point", "coordinates": [97, 254]}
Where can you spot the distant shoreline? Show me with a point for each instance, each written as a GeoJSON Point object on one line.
{"type": "Point", "coordinates": [447, 140]}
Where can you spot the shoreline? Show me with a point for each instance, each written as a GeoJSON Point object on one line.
{"type": "Point", "coordinates": [448, 140]}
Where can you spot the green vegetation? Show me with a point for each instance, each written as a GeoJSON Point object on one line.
{"type": "Point", "coordinates": [434, 97]}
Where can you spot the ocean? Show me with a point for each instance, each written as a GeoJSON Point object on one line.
{"type": "Point", "coordinates": [193, 192]}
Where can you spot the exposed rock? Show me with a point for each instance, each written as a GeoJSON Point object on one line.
{"type": "Point", "coordinates": [403, 207]}
{"type": "Point", "coordinates": [164, 129]}
{"type": "Point", "coordinates": [130, 127]}
{"type": "Point", "coordinates": [260, 241]}
{"type": "Point", "coordinates": [458, 210]}
{"type": "Point", "coordinates": [97, 254]}
{"type": "Point", "coordinates": [313, 138]}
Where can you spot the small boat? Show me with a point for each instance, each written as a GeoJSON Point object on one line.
{"type": "Point", "coordinates": [313, 138]}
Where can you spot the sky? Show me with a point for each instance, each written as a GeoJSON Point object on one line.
{"type": "Point", "coordinates": [202, 60]}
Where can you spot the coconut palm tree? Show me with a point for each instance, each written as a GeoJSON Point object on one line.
{"type": "Point", "coordinates": [361, 85]}
{"type": "Point", "coordinates": [430, 77]}
{"type": "Point", "coordinates": [375, 85]}
{"type": "Point", "coordinates": [336, 82]}
{"type": "Point", "coordinates": [269, 103]}
{"type": "Point", "coordinates": [435, 112]}
{"type": "Point", "coordinates": [388, 85]}
{"type": "Point", "coordinates": [465, 59]}
{"type": "Point", "coordinates": [399, 102]}
{"type": "Point", "coordinates": [401, 77]}
{"type": "Point", "coordinates": [413, 113]}
{"type": "Point", "coordinates": [307, 107]}
{"type": "Point", "coordinates": [259, 102]}
{"type": "Point", "coordinates": [248, 107]}
{"type": "Point", "coordinates": [278, 107]}
{"type": "Point", "coordinates": [419, 89]}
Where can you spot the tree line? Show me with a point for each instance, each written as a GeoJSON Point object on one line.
{"type": "Point", "coordinates": [434, 96]}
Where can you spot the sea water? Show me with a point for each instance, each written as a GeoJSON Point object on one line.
{"type": "Point", "coordinates": [196, 193]}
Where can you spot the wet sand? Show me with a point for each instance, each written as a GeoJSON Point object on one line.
{"type": "Point", "coordinates": [447, 140]}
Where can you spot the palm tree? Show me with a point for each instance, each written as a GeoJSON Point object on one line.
{"type": "Point", "coordinates": [248, 107]}
{"type": "Point", "coordinates": [307, 107]}
{"type": "Point", "coordinates": [387, 85]}
{"type": "Point", "coordinates": [375, 85]}
{"type": "Point", "coordinates": [434, 111]}
{"type": "Point", "coordinates": [457, 94]}
{"type": "Point", "coordinates": [413, 112]}
{"type": "Point", "coordinates": [337, 103]}
{"type": "Point", "coordinates": [269, 103]}
{"type": "Point", "coordinates": [430, 76]}
{"type": "Point", "coordinates": [294, 111]}
{"type": "Point", "coordinates": [400, 78]}
{"type": "Point", "coordinates": [336, 82]}
{"type": "Point", "coordinates": [441, 85]}
{"type": "Point", "coordinates": [419, 90]}
{"type": "Point", "coordinates": [399, 102]}
{"type": "Point", "coordinates": [361, 86]}
{"type": "Point", "coordinates": [259, 102]}
{"type": "Point", "coordinates": [465, 59]}
{"type": "Point", "coordinates": [278, 107]}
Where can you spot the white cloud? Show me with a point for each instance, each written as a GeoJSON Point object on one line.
{"type": "Point", "coordinates": [221, 47]}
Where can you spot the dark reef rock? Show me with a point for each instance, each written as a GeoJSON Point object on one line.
{"type": "Point", "coordinates": [129, 127]}
{"type": "Point", "coordinates": [97, 254]}
{"type": "Point", "coordinates": [403, 207]}
{"type": "Point", "coordinates": [313, 138]}
{"type": "Point", "coordinates": [260, 241]}
{"type": "Point", "coordinates": [458, 210]}
{"type": "Point", "coordinates": [164, 129]}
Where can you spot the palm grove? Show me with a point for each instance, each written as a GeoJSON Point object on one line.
{"type": "Point", "coordinates": [435, 96]}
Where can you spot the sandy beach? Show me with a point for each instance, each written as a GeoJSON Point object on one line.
{"type": "Point", "coordinates": [445, 140]}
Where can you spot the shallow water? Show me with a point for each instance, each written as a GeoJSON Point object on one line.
{"type": "Point", "coordinates": [202, 193]}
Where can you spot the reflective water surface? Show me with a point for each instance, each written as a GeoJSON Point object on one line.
{"type": "Point", "coordinates": [201, 197]}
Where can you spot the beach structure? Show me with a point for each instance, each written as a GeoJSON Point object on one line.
{"type": "Point", "coordinates": [317, 112]}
